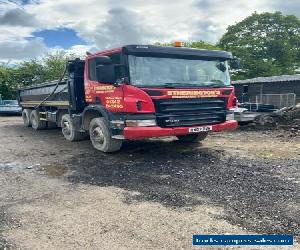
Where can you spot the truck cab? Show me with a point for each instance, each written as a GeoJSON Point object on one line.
{"type": "Point", "coordinates": [143, 91]}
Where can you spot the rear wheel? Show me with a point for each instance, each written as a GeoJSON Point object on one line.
{"type": "Point", "coordinates": [35, 121]}
{"type": "Point", "coordinates": [192, 137]}
{"type": "Point", "coordinates": [69, 131]}
{"type": "Point", "coordinates": [26, 117]}
{"type": "Point", "coordinates": [101, 136]}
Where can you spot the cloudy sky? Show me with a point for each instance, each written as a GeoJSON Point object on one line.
{"type": "Point", "coordinates": [30, 28]}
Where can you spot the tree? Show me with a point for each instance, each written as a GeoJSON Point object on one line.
{"type": "Point", "coordinates": [268, 44]}
{"type": "Point", "coordinates": [26, 73]}
{"type": "Point", "coordinates": [193, 44]}
{"type": "Point", "coordinates": [6, 83]}
{"type": "Point", "coordinates": [201, 45]}
{"type": "Point", "coordinates": [55, 63]}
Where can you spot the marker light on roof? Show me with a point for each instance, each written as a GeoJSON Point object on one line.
{"type": "Point", "coordinates": [178, 44]}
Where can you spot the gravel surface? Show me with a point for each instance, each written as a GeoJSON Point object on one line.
{"type": "Point", "coordinates": [153, 194]}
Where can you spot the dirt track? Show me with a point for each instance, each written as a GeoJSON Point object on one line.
{"type": "Point", "coordinates": [152, 195]}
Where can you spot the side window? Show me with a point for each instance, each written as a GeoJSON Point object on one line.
{"type": "Point", "coordinates": [116, 59]}
{"type": "Point", "coordinates": [92, 70]}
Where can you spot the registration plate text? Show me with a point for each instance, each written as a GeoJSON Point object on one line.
{"type": "Point", "coordinates": [200, 129]}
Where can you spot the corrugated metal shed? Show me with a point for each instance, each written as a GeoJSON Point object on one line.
{"type": "Point", "coordinates": [282, 78]}
{"type": "Point", "coordinates": [249, 89]}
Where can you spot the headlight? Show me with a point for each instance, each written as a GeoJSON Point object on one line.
{"type": "Point", "coordinates": [140, 123]}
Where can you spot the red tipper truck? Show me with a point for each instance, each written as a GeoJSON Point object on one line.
{"type": "Point", "coordinates": [136, 92]}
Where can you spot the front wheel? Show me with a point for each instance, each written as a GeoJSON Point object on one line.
{"type": "Point", "coordinates": [192, 137]}
{"type": "Point", "coordinates": [101, 136]}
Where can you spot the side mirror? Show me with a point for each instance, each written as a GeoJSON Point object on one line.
{"type": "Point", "coordinates": [235, 63]}
{"type": "Point", "coordinates": [221, 66]}
{"type": "Point", "coordinates": [106, 73]}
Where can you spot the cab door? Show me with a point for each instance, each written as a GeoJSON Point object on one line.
{"type": "Point", "coordinates": [106, 94]}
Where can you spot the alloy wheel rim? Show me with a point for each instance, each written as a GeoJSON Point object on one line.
{"type": "Point", "coordinates": [34, 122]}
{"type": "Point", "coordinates": [98, 136]}
{"type": "Point", "coordinates": [66, 128]}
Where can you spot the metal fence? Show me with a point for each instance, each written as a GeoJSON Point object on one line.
{"type": "Point", "coordinates": [278, 100]}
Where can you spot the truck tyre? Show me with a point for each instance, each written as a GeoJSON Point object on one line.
{"type": "Point", "coordinates": [192, 137]}
{"type": "Point", "coordinates": [26, 117]}
{"type": "Point", "coordinates": [35, 121]}
{"type": "Point", "coordinates": [69, 131]}
{"type": "Point", "coordinates": [101, 136]}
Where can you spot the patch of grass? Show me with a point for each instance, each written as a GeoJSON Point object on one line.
{"type": "Point", "coordinates": [265, 154]}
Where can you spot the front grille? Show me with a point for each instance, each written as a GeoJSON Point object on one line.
{"type": "Point", "coordinates": [190, 112]}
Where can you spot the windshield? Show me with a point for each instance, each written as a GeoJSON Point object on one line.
{"type": "Point", "coordinates": [155, 71]}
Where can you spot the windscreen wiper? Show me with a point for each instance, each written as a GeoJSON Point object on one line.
{"type": "Point", "coordinates": [203, 85]}
{"type": "Point", "coordinates": [172, 84]}
{"type": "Point", "coordinates": [215, 85]}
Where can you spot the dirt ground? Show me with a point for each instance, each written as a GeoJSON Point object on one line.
{"type": "Point", "coordinates": [153, 194]}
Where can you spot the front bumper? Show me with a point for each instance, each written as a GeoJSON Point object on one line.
{"type": "Point", "coordinates": [132, 133]}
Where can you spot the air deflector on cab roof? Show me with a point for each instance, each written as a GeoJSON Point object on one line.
{"type": "Point", "coordinates": [178, 52]}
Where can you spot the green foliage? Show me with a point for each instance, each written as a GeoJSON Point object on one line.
{"type": "Point", "coordinates": [268, 44]}
{"type": "Point", "coordinates": [50, 67]}
{"type": "Point", "coordinates": [28, 73]}
{"type": "Point", "coordinates": [193, 44]}
{"type": "Point", "coordinates": [201, 45]}
{"type": "Point", "coordinates": [7, 85]}
{"type": "Point", "coordinates": [54, 64]}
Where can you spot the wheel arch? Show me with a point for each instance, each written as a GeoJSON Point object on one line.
{"type": "Point", "coordinates": [92, 112]}
{"type": "Point", "coordinates": [60, 114]}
